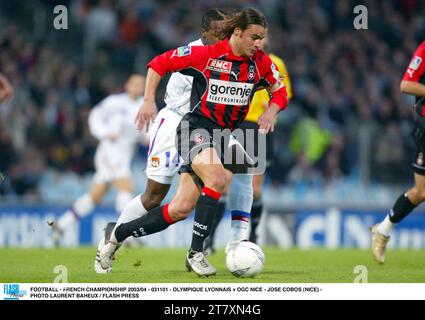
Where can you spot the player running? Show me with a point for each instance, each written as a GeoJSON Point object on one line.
{"type": "Point", "coordinates": [258, 106]}
{"type": "Point", "coordinates": [112, 122]}
{"type": "Point", "coordinates": [412, 83]}
{"type": "Point", "coordinates": [164, 161]}
{"type": "Point", "coordinates": [226, 75]}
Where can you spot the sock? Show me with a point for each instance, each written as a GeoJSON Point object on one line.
{"type": "Point", "coordinates": [154, 221]}
{"type": "Point", "coordinates": [401, 209]}
{"type": "Point", "coordinates": [205, 211]}
{"type": "Point", "coordinates": [80, 209]}
{"type": "Point", "coordinates": [240, 205]}
{"type": "Point", "coordinates": [386, 226]}
{"type": "Point", "coordinates": [217, 218]}
{"type": "Point", "coordinates": [133, 210]}
{"type": "Point", "coordinates": [240, 225]}
{"type": "Point", "coordinates": [121, 201]}
{"type": "Point", "coordinates": [256, 211]}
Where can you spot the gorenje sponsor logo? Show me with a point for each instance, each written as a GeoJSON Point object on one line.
{"type": "Point", "coordinates": [226, 92]}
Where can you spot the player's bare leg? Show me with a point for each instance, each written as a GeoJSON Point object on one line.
{"type": "Point", "coordinates": [403, 206]}
{"type": "Point", "coordinates": [155, 220]}
{"type": "Point", "coordinates": [155, 192]}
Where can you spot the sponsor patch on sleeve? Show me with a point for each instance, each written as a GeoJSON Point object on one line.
{"type": "Point", "coordinates": [184, 51]}
{"type": "Point", "coordinates": [415, 63]}
{"type": "Point", "coordinates": [276, 74]}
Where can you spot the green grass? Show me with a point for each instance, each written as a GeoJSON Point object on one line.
{"type": "Point", "coordinates": [145, 265]}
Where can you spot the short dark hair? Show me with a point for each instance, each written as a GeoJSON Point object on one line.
{"type": "Point", "coordinates": [212, 15]}
{"type": "Point", "coordinates": [242, 20]}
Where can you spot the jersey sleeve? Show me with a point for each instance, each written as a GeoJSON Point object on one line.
{"type": "Point", "coordinates": [271, 76]}
{"type": "Point", "coordinates": [180, 59]}
{"type": "Point", "coordinates": [416, 68]}
{"type": "Point", "coordinates": [283, 73]}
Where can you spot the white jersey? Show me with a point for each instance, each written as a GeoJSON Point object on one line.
{"type": "Point", "coordinates": [163, 158]}
{"type": "Point", "coordinates": [179, 88]}
{"type": "Point", "coordinates": [114, 116]}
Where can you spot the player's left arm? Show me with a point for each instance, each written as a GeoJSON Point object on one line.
{"type": "Point", "coordinates": [410, 83]}
{"type": "Point", "coordinates": [279, 98]}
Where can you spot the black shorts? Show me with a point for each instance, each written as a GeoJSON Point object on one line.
{"type": "Point", "coordinates": [418, 136]}
{"type": "Point", "coordinates": [257, 145]}
{"type": "Point", "coordinates": [196, 133]}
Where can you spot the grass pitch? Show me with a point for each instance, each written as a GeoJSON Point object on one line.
{"type": "Point", "coordinates": [146, 265]}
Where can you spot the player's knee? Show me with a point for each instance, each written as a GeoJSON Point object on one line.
{"type": "Point", "coordinates": [152, 200]}
{"type": "Point", "coordinates": [217, 182]}
{"type": "Point", "coordinates": [181, 209]}
{"type": "Point", "coordinates": [418, 194]}
{"type": "Point", "coordinates": [256, 193]}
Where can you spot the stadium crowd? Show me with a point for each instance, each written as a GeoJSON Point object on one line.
{"type": "Point", "coordinates": [347, 119]}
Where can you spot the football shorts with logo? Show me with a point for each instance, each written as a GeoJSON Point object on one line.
{"type": "Point", "coordinates": [196, 133]}
{"type": "Point", "coordinates": [163, 159]}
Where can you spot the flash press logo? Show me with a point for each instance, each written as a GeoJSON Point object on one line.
{"type": "Point", "coordinates": [12, 292]}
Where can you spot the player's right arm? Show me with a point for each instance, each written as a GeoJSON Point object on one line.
{"type": "Point", "coordinates": [170, 61]}
{"type": "Point", "coordinates": [147, 111]}
{"type": "Point", "coordinates": [415, 71]}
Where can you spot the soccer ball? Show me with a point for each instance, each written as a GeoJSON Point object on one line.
{"type": "Point", "coordinates": [245, 260]}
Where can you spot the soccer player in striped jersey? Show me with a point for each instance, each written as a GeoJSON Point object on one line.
{"type": "Point", "coordinates": [258, 106]}
{"type": "Point", "coordinates": [412, 83]}
{"type": "Point", "coordinates": [226, 75]}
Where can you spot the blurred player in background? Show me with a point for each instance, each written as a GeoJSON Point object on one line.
{"type": "Point", "coordinates": [6, 89]}
{"type": "Point", "coordinates": [258, 105]}
{"type": "Point", "coordinates": [112, 123]}
{"type": "Point", "coordinates": [164, 161]}
{"type": "Point", "coordinates": [412, 83]}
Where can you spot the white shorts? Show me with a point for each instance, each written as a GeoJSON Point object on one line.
{"type": "Point", "coordinates": [163, 159]}
{"type": "Point", "coordinates": [110, 167]}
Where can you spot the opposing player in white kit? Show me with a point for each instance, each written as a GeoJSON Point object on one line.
{"type": "Point", "coordinates": [164, 162]}
{"type": "Point", "coordinates": [112, 122]}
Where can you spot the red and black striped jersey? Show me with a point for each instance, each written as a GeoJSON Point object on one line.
{"type": "Point", "coordinates": [223, 83]}
{"type": "Point", "coordinates": [416, 72]}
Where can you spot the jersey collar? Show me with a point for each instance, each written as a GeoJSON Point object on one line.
{"type": "Point", "coordinates": [230, 53]}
